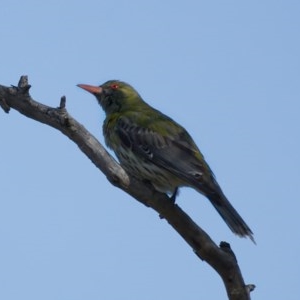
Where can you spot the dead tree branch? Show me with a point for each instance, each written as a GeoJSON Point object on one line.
{"type": "Point", "coordinates": [221, 258]}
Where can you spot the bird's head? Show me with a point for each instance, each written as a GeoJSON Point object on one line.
{"type": "Point", "coordinates": [114, 96]}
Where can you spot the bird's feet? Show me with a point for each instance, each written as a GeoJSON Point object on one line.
{"type": "Point", "coordinates": [174, 195]}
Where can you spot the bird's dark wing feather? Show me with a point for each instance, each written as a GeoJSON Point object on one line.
{"type": "Point", "coordinates": [175, 152]}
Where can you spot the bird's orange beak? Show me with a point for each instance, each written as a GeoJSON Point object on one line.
{"type": "Point", "coordinates": [91, 88]}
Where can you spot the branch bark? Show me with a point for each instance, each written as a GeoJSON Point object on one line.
{"type": "Point", "coordinates": [221, 258]}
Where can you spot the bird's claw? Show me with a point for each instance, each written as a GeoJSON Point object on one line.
{"type": "Point", "coordinates": [174, 195]}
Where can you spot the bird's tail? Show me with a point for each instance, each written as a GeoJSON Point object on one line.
{"type": "Point", "coordinates": [230, 215]}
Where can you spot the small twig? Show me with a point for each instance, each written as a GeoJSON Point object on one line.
{"type": "Point", "coordinates": [226, 248]}
{"type": "Point", "coordinates": [23, 83]}
{"type": "Point", "coordinates": [62, 104]}
{"type": "Point", "coordinates": [250, 287]}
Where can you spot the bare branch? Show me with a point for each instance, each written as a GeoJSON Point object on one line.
{"type": "Point", "coordinates": [222, 258]}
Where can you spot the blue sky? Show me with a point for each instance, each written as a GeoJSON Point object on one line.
{"type": "Point", "coordinates": [228, 71]}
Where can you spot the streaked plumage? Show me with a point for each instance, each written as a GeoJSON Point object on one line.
{"type": "Point", "coordinates": [153, 147]}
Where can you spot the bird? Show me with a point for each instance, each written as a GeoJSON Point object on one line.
{"type": "Point", "coordinates": [154, 148]}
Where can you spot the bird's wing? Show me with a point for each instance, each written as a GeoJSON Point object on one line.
{"type": "Point", "coordinates": [172, 148]}
{"type": "Point", "coordinates": [169, 146]}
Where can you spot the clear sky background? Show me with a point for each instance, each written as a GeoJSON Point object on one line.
{"type": "Point", "coordinates": [228, 71]}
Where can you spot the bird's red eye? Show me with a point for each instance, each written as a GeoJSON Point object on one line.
{"type": "Point", "coordinates": [114, 86]}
